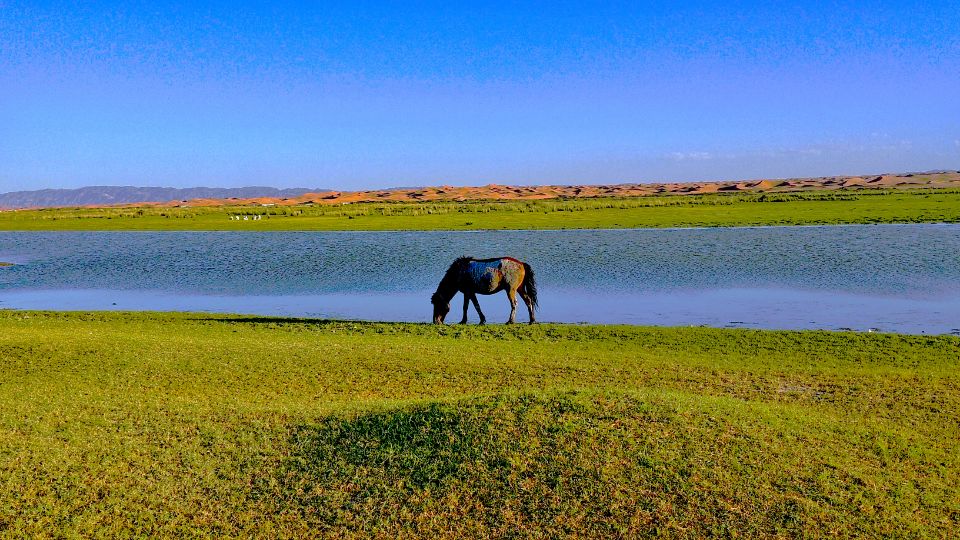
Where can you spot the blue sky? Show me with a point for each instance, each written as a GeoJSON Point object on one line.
{"type": "Point", "coordinates": [371, 94]}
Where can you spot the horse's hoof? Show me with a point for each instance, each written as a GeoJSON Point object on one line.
{"type": "Point", "coordinates": [481, 323]}
{"type": "Point", "coordinates": [463, 321]}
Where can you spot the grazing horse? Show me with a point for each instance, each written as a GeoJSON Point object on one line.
{"type": "Point", "coordinates": [485, 276]}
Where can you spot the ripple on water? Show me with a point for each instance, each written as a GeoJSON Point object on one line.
{"type": "Point", "coordinates": [663, 270]}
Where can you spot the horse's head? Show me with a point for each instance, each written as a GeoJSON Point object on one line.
{"type": "Point", "coordinates": [441, 306]}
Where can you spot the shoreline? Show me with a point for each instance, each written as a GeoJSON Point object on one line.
{"type": "Point", "coordinates": [474, 231]}
{"type": "Point", "coordinates": [493, 326]}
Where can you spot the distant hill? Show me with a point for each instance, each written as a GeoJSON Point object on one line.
{"type": "Point", "coordinates": [202, 196]}
{"type": "Point", "coordinates": [107, 195]}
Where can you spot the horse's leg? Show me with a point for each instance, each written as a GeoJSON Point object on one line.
{"type": "Point", "coordinates": [466, 304]}
{"type": "Point", "coordinates": [476, 304]}
{"type": "Point", "coordinates": [512, 295]}
{"type": "Point", "coordinates": [529, 304]}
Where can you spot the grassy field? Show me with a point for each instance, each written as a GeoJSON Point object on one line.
{"type": "Point", "coordinates": [181, 424]}
{"type": "Point", "coordinates": [806, 208]}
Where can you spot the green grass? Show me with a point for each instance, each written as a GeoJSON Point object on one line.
{"type": "Point", "coordinates": [119, 424]}
{"type": "Point", "coordinates": [804, 208]}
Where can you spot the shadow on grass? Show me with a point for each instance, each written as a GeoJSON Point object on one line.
{"type": "Point", "coordinates": [594, 466]}
{"type": "Point", "coordinates": [287, 321]}
{"type": "Point", "coordinates": [378, 471]}
{"type": "Point", "coordinates": [552, 466]}
{"type": "Point", "coordinates": [511, 332]}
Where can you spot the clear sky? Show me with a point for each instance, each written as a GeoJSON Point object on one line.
{"type": "Point", "coordinates": [372, 94]}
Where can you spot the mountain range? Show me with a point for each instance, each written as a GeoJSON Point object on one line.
{"type": "Point", "coordinates": [107, 195]}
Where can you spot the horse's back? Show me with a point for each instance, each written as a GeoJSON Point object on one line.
{"type": "Point", "coordinates": [488, 276]}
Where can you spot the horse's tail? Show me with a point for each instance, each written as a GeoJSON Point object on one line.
{"type": "Point", "coordinates": [529, 285]}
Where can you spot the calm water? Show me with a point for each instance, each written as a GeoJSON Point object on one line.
{"type": "Point", "coordinates": [903, 278]}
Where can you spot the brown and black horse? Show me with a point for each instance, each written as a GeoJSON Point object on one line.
{"type": "Point", "coordinates": [485, 276]}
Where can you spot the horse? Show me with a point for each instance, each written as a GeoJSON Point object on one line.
{"type": "Point", "coordinates": [485, 276]}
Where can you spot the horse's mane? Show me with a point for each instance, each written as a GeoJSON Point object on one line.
{"type": "Point", "coordinates": [456, 267]}
{"type": "Point", "coordinates": [449, 280]}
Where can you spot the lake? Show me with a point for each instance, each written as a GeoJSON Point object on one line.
{"type": "Point", "coordinates": [899, 278]}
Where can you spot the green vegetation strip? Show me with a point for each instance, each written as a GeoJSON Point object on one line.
{"type": "Point", "coordinates": [719, 210]}
{"type": "Point", "coordinates": [141, 424]}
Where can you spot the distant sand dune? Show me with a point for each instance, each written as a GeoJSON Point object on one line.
{"type": "Point", "coordinates": [494, 192]}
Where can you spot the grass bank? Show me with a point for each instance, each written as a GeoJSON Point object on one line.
{"type": "Point", "coordinates": [184, 424]}
{"type": "Point", "coordinates": [717, 210]}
